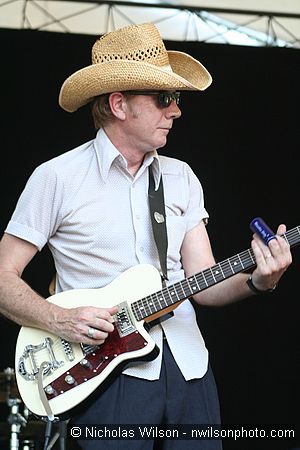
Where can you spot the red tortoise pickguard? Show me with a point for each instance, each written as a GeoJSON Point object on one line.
{"type": "Point", "coordinates": [98, 360]}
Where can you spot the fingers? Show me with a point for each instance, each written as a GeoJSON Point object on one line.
{"type": "Point", "coordinates": [96, 335]}
{"type": "Point", "coordinates": [277, 249]}
{"type": "Point", "coordinates": [272, 259]}
{"type": "Point", "coordinates": [87, 325]}
{"type": "Point", "coordinates": [99, 325]}
{"type": "Point", "coordinates": [281, 229]}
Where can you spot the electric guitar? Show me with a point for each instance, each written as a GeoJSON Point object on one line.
{"type": "Point", "coordinates": [55, 376]}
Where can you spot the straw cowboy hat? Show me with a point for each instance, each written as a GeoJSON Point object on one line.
{"type": "Point", "coordinates": [131, 58]}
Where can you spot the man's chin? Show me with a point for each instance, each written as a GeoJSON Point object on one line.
{"type": "Point", "coordinates": [161, 142]}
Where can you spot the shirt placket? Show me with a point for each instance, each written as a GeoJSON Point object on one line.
{"type": "Point", "coordinates": [139, 210]}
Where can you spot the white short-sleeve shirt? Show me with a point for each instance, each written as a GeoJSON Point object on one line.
{"type": "Point", "coordinates": [94, 216]}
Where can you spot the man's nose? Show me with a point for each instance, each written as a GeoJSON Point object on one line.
{"type": "Point", "coordinates": [173, 111]}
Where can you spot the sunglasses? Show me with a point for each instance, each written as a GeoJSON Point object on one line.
{"type": "Point", "coordinates": [164, 98]}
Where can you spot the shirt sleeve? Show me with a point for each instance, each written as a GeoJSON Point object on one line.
{"type": "Point", "coordinates": [36, 216]}
{"type": "Point", "coordinates": [196, 211]}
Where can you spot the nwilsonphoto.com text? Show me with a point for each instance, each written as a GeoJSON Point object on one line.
{"type": "Point", "coordinates": [182, 432]}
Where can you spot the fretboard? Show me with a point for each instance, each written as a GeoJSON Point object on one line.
{"type": "Point", "coordinates": [194, 284]}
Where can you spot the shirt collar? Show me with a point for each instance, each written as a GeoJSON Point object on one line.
{"type": "Point", "coordinates": [107, 153]}
{"type": "Point", "coordinates": [153, 160]}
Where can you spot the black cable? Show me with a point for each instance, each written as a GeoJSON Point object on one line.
{"type": "Point", "coordinates": [48, 431]}
{"type": "Point", "coordinates": [62, 435]}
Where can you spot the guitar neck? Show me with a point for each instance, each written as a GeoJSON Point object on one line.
{"type": "Point", "coordinates": [171, 295]}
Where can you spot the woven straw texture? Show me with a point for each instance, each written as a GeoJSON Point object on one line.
{"type": "Point", "coordinates": [133, 57]}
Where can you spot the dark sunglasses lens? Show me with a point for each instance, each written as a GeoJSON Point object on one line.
{"type": "Point", "coordinates": [165, 98]}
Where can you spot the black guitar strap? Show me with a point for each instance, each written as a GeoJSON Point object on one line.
{"type": "Point", "coordinates": [158, 219]}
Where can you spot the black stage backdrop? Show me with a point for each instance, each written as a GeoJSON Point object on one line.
{"type": "Point", "coordinates": [241, 137]}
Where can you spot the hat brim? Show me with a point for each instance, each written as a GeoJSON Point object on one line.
{"type": "Point", "coordinates": [186, 73]}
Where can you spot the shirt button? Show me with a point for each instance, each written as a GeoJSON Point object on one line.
{"type": "Point", "coordinates": [141, 249]}
{"type": "Point", "coordinates": [138, 217]}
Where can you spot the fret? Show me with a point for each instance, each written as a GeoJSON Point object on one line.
{"type": "Point", "coordinates": [182, 289]}
{"type": "Point", "coordinates": [217, 273]}
{"type": "Point", "coordinates": [147, 310]}
{"type": "Point", "coordinates": [136, 307]}
{"type": "Point", "coordinates": [159, 301]}
{"type": "Point", "coordinates": [162, 300]}
{"type": "Point", "coordinates": [173, 291]}
{"type": "Point", "coordinates": [187, 288]}
{"type": "Point", "coordinates": [208, 276]}
{"type": "Point", "coordinates": [247, 258]}
{"type": "Point", "coordinates": [226, 268]}
{"type": "Point", "coordinates": [252, 256]}
{"type": "Point", "coordinates": [238, 255]}
{"type": "Point", "coordinates": [221, 269]}
{"type": "Point", "coordinates": [143, 308]}
{"type": "Point", "coordinates": [152, 303]}
{"type": "Point", "coordinates": [147, 307]}
{"type": "Point", "coordinates": [210, 271]}
{"type": "Point", "coordinates": [178, 291]}
{"type": "Point", "coordinates": [193, 284]}
{"type": "Point", "coordinates": [235, 264]}
{"type": "Point", "coordinates": [202, 283]}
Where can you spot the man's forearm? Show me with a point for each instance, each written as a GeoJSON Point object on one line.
{"type": "Point", "coordinates": [19, 303]}
{"type": "Point", "coordinates": [225, 292]}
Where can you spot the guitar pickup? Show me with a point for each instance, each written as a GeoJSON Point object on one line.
{"type": "Point", "coordinates": [123, 320]}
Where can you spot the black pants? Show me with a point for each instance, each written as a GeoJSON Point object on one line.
{"type": "Point", "coordinates": [169, 400]}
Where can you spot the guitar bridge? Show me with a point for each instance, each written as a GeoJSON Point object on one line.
{"type": "Point", "coordinates": [123, 320]}
{"type": "Point", "coordinates": [28, 358]}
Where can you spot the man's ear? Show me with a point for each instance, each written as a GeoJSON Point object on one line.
{"type": "Point", "coordinates": [118, 105]}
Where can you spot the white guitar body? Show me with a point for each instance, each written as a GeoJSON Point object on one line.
{"type": "Point", "coordinates": [135, 283]}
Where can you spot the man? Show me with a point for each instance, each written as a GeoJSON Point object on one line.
{"type": "Point", "coordinates": [90, 205]}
